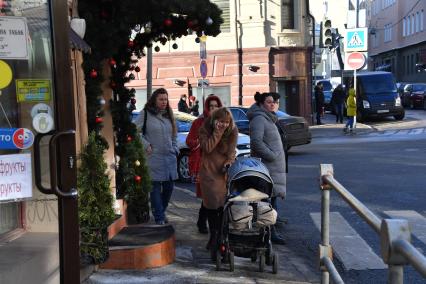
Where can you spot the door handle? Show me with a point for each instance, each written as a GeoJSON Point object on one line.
{"type": "Point", "coordinates": [53, 166]}
{"type": "Point", "coordinates": [37, 162]}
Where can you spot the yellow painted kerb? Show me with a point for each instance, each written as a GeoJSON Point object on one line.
{"type": "Point", "coordinates": [5, 74]}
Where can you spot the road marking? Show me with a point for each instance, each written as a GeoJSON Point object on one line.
{"type": "Point", "coordinates": [403, 131]}
{"type": "Point", "coordinates": [352, 250]}
{"type": "Point", "coordinates": [389, 132]}
{"type": "Point", "coordinates": [417, 222]}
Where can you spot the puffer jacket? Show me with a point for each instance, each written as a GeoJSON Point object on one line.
{"type": "Point", "coordinates": [265, 143]}
{"type": "Point", "coordinates": [162, 162]}
{"type": "Point", "coordinates": [351, 103]}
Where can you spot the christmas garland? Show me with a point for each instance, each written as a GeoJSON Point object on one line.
{"type": "Point", "coordinates": [118, 32]}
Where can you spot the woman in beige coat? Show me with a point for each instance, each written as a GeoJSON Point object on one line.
{"type": "Point", "coordinates": [218, 139]}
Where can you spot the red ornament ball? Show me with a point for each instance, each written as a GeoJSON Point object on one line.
{"type": "Point", "coordinates": [168, 22]}
{"type": "Point", "coordinates": [93, 73]}
{"type": "Point", "coordinates": [129, 138]}
{"type": "Point", "coordinates": [112, 62]}
{"type": "Point", "coordinates": [130, 43]}
{"type": "Point", "coordinates": [137, 69]}
{"type": "Point", "coordinates": [99, 119]}
{"type": "Point", "coordinates": [138, 179]}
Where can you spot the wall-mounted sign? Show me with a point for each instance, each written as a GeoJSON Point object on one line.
{"type": "Point", "coordinates": [13, 38]}
{"type": "Point", "coordinates": [41, 108]}
{"type": "Point", "coordinates": [15, 176]}
{"type": "Point", "coordinates": [33, 90]}
{"type": "Point", "coordinates": [5, 74]}
{"type": "Point", "coordinates": [42, 123]}
{"type": "Point", "coordinates": [16, 138]}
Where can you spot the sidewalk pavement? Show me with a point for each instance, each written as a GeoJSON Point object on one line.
{"type": "Point", "coordinates": [193, 264]}
{"type": "Point", "coordinates": [330, 128]}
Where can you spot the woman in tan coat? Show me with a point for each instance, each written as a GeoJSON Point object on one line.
{"type": "Point", "coordinates": [218, 139]}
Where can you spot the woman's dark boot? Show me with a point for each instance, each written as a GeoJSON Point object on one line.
{"type": "Point", "coordinates": [276, 238]}
{"type": "Point", "coordinates": [202, 220]}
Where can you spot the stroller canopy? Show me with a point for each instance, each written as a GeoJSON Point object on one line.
{"type": "Point", "coordinates": [249, 172]}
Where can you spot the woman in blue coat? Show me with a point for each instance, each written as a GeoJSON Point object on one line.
{"type": "Point", "coordinates": [158, 129]}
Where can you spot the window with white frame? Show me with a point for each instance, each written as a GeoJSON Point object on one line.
{"type": "Point", "coordinates": [388, 33]}
{"type": "Point", "coordinates": [408, 25]}
{"type": "Point", "coordinates": [226, 14]}
{"type": "Point", "coordinates": [413, 24]}
{"type": "Point", "coordinates": [421, 20]}
{"type": "Point", "coordinates": [287, 14]}
{"type": "Point", "coordinates": [417, 22]}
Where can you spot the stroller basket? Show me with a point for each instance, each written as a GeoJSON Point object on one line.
{"type": "Point", "coordinates": [249, 172]}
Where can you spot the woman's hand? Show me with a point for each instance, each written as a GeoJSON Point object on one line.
{"type": "Point", "coordinates": [149, 150]}
{"type": "Point", "coordinates": [220, 127]}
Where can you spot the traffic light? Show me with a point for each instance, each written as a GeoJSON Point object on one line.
{"type": "Point", "coordinates": [326, 33]}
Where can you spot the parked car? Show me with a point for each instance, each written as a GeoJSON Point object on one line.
{"type": "Point", "coordinates": [414, 95]}
{"type": "Point", "coordinates": [377, 96]}
{"type": "Point", "coordinates": [400, 88]}
{"type": "Point", "coordinates": [328, 92]}
{"type": "Point", "coordinates": [295, 128]}
{"type": "Point", "coordinates": [183, 124]}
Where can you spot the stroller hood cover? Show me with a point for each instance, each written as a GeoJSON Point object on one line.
{"type": "Point", "coordinates": [248, 166]}
{"type": "Point", "coordinates": [250, 195]}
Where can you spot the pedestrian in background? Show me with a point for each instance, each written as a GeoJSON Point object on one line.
{"type": "Point", "coordinates": [266, 144]}
{"type": "Point", "coordinates": [183, 105]}
{"type": "Point", "coordinates": [195, 109]}
{"type": "Point", "coordinates": [218, 139]}
{"type": "Point", "coordinates": [319, 102]}
{"type": "Point", "coordinates": [192, 140]}
{"type": "Point", "coordinates": [351, 111]}
{"type": "Point", "coordinates": [158, 128]}
{"type": "Point", "coordinates": [338, 101]}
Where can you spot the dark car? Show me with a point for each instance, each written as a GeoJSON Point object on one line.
{"type": "Point", "coordinates": [414, 95]}
{"type": "Point", "coordinates": [296, 129]}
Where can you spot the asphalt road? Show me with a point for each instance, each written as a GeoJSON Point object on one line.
{"type": "Point", "coordinates": [385, 173]}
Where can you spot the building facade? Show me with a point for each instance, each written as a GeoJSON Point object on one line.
{"type": "Point", "coordinates": [264, 46]}
{"type": "Point", "coordinates": [398, 38]}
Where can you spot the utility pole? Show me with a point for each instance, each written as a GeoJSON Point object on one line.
{"type": "Point", "coordinates": [357, 13]}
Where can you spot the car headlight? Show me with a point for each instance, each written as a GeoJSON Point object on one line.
{"type": "Point", "coordinates": [365, 104]}
{"type": "Point", "coordinates": [398, 101]}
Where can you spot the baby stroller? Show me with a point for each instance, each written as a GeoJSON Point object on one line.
{"type": "Point", "coordinates": [247, 216]}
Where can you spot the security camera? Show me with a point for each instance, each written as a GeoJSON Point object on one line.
{"type": "Point", "coordinates": [253, 68]}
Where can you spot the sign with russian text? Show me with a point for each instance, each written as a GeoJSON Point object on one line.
{"type": "Point", "coordinates": [33, 90]}
{"type": "Point", "coordinates": [16, 138]}
{"type": "Point", "coordinates": [15, 176]}
{"type": "Point", "coordinates": [13, 38]}
{"type": "Point", "coordinates": [356, 39]}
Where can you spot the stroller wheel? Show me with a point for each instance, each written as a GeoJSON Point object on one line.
{"type": "Point", "coordinates": [275, 263]}
{"type": "Point", "coordinates": [218, 260]}
{"type": "Point", "coordinates": [231, 261]}
{"type": "Point", "coordinates": [261, 262]}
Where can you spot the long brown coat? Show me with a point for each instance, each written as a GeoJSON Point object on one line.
{"type": "Point", "coordinates": [215, 154]}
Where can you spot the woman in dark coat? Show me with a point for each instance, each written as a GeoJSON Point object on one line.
{"type": "Point", "coordinates": [192, 140]}
{"type": "Point", "coordinates": [218, 139]}
{"type": "Point", "coordinates": [158, 128]}
{"type": "Point", "coordinates": [266, 144]}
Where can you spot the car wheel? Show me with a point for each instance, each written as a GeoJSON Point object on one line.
{"type": "Point", "coordinates": [183, 167]}
{"type": "Point", "coordinates": [399, 116]}
{"type": "Point", "coordinates": [360, 117]}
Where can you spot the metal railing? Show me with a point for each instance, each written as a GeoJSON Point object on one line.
{"type": "Point", "coordinates": [395, 235]}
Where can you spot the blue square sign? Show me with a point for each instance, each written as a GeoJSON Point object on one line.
{"type": "Point", "coordinates": [356, 39]}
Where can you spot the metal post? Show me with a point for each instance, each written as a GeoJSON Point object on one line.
{"type": "Point", "coordinates": [325, 228]}
{"type": "Point", "coordinates": [396, 274]}
{"type": "Point", "coordinates": [149, 73]}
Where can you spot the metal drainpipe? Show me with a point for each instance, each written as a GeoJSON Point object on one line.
{"type": "Point", "coordinates": [308, 11]}
{"type": "Point", "coordinates": [238, 40]}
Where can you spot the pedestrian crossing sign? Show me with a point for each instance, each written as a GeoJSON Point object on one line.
{"type": "Point", "coordinates": [356, 39]}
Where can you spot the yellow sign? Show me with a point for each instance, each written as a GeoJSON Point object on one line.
{"type": "Point", "coordinates": [33, 90]}
{"type": "Point", "coordinates": [5, 74]}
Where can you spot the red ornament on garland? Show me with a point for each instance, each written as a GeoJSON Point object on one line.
{"type": "Point", "coordinates": [129, 138]}
{"type": "Point", "coordinates": [130, 43]}
{"type": "Point", "coordinates": [137, 69]}
{"type": "Point", "coordinates": [138, 179]}
{"type": "Point", "coordinates": [93, 74]}
{"type": "Point", "coordinates": [112, 62]}
{"type": "Point", "coordinates": [99, 119]}
{"type": "Point", "coordinates": [168, 22]}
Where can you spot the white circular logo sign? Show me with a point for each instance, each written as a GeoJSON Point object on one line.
{"type": "Point", "coordinates": [41, 108]}
{"type": "Point", "coordinates": [42, 123]}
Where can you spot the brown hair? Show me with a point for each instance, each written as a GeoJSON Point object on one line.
{"type": "Point", "coordinates": [151, 106]}
{"type": "Point", "coordinates": [220, 113]}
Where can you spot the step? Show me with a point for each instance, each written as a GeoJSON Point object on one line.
{"type": "Point", "coordinates": [141, 247]}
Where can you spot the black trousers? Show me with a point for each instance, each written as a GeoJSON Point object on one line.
{"type": "Point", "coordinates": [214, 217]}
